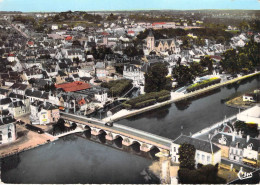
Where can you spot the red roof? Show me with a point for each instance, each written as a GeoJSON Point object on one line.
{"type": "Point", "coordinates": [130, 32]}
{"type": "Point", "coordinates": [105, 33]}
{"type": "Point", "coordinates": [158, 23]}
{"type": "Point", "coordinates": [68, 38]}
{"type": "Point", "coordinates": [215, 57]}
{"type": "Point", "coordinates": [73, 86]}
{"type": "Point", "coordinates": [11, 55]}
{"type": "Point", "coordinates": [30, 43]}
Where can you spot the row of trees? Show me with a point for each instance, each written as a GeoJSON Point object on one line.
{"type": "Point", "coordinates": [242, 59]}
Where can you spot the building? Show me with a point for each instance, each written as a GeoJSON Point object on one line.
{"type": "Point", "coordinates": [73, 86]}
{"type": "Point", "coordinates": [238, 149]}
{"type": "Point", "coordinates": [133, 73]}
{"type": "Point", "coordinates": [7, 129]}
{"type": "Point", "coordinates": [44, 113]}
{"type": "Point", "coordinates": [206, 153]}
{"type": "Point", "coordinates": [161, 45]}
{"type": "Point", "coordinates": [251, 116]}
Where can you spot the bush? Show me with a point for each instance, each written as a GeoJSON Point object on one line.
{"type": "Point", "coordinates": [204, 83]}
{"type": "Point", "coordinates": [127, 106]}
{"type": "Point", "coordinates": [164, 98]}
{"type": "Point", "coordinates": [145, 103]}
{"type": "Point", "coordinates": [139, 101]}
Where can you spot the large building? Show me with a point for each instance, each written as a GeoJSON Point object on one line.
{"type": "Point", "coordinates": [161, 45]}
{"type": "Point", "coordinates": [206, 153]}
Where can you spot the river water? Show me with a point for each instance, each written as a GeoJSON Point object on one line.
{"type": "Point", "coordinates": [74, 159]}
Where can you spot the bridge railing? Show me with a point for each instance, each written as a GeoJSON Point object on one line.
{"type": "Point", "coordinates": [147, 134]}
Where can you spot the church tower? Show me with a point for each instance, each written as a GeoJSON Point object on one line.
{"type": "Point", "coordinates": [150, 41]}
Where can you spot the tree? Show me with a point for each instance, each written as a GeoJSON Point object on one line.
{"type": "Point", "coordinates": [155, 78]}
{"type": "Point", "coordinates": [187, 156]}
{"type": "Point", "coordinates": [229, 62]}
{"type": "Point", "coordinates": [132, 51]}
{"type": "Point", "coordinates": [207, 62]}
{"type": "Point", "coordinates": [183, 75]}
{"type": "Point", "coordinates": [196, 68]}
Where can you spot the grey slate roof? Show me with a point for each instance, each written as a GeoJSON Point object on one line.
{"type": "Point", "coordinates": [6, 120]}
{"type": "Point", "coordinates": [197, 143]}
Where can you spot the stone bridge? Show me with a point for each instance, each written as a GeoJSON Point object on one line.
{"type": "Point", "coordinates": [128, 135]}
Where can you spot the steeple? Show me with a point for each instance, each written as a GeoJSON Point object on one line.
{"type": "Point", "coordinates": [150, 33]}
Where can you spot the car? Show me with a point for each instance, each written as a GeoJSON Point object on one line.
{"type": "Point", "coordinates": [109, 124]}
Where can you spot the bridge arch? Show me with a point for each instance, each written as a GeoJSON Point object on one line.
{"type": "Point", "coordinates": [87, 128]}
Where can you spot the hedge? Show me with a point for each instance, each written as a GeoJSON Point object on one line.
{"type": "Point", "coordinates": [164, 98]}
{"type": "Point", "coordinates": [204, 83]}
{"type": "Point", "coordinates": [145, 103]}
{"type": "Point", "coordinates": [145, 99]}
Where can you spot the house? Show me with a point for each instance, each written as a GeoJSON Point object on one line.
{"type": "Point", "coordinates": [100, 70]}
{"type": "Point", "coordinates": [44, 113]}
{"type": "Point", "coordinates": [206, 153]}
{"type": "Point", "coordinates": [54, 27]}
{"type": "Point", "coordinates": [4, 103]}
{"type": "Point", "coordinates": [133, 73]}
{"type": "Point", "coordinates": [19, 88]}
{"type": "Point", "coordinates": [19, 108]}
{"type": "Point", "coordinates": [4, 93]}
{"type": "Point", "coordinates": [249, 97]}
{"type": "Point", "coordinates": [33, 95]}
{"type": "Point", "coordinates": [7, 129]}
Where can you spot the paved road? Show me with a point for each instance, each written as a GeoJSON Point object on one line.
{"type": "Point", "coordinates": [122, 130]}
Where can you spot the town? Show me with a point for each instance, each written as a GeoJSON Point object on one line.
{"type": "Point", "coordinates": [80, 72]}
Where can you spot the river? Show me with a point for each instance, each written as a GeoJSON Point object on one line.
{"type": "Point", "coordinates": [74, 159]}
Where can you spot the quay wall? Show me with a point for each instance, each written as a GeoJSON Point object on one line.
{"type": "Point", "coordinates": [182, 97]}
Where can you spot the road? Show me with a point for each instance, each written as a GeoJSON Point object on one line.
{"type": "Point", "coordinates": [122, 130]}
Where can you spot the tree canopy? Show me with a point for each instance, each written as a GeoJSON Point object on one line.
{"type": "Point", "coordinates": [155, 78]}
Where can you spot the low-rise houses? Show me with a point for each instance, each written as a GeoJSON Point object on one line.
{"type": "Point", "coordinates": [206, 152]}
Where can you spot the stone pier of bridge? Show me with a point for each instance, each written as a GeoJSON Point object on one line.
{"type": "Point", "coordinates": [145, 146]}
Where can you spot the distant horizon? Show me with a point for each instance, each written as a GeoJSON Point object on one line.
{"type": "Point", "coordinates": [128, 10]}
{"type": "Point", "coordinates": [125, 5]}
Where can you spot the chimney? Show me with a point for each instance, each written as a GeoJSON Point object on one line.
{"type": "Point", "coordinates": [247, 138]}
{"type": "Point", "coordinates": [32, 89]}
{"type": "Point", "coordinates": [233, 136]}
{"type": "Point", "coordinates": [44, 103]}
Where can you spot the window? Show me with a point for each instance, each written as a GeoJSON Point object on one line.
{"type": "Point", "coordinates": [9, 135]}
{"type": "Point", "coordinates": [240, 152]}
{"type": "Point", "coordinates": [203, 157]}
{"type": "Point", "coordinates": [1, 137]}
{"type": "Point", "coordinates": [174, 149]}
{"type": "Point", "coordinates": [208, 158]}
{"type": "Point", "coordinates": [198, 156]}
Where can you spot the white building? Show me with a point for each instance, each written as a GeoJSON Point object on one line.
{"type": "Point", "coordinates": [203, 155]}
{"type": "Point", "coordinates": [7, 129]}
{"type": "Point", "coordinates": [251, 115]}
{"type": "Point", "coordinates": [54, 27]}
{"type": "Point", "coordinates": [133, 73]}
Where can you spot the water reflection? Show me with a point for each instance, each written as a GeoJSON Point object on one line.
{"type": "Point", "coordinates": [75, 159]}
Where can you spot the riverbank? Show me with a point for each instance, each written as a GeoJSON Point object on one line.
{"type": "Point", "coordinates": [175, 97]}
{"type": "Point", "coordinates": [237, 102]}
{"type": "Point", "coordinates": [26, 140]}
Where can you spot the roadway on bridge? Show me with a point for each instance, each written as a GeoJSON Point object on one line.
{"type": "Point", "coordinates": [121, 130]}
